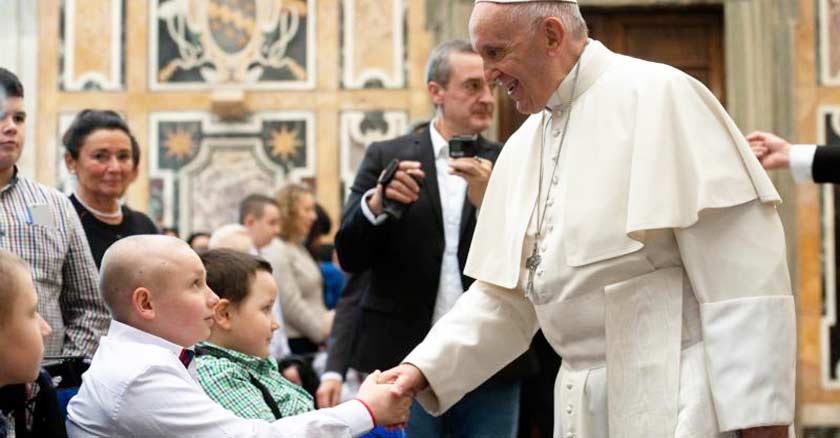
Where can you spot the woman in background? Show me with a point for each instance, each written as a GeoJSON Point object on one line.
{"type": "Point", "coordinates": [104, 156]}
{"type": "Point", "coordinates": [308, 322]}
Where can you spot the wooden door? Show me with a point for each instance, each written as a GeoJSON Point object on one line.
{"type": "Point", "coordinates": [690, 39]}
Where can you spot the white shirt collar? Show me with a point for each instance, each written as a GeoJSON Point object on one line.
{"type": "Point", "coordinates": [560, 98]}
{"type": "Point", "coordinates": [439, 144]}
{"type": "Point", "coordinates": [126, 333]}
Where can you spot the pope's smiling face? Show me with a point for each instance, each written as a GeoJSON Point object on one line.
{"type": "Point", "coordinates": [514, 55]}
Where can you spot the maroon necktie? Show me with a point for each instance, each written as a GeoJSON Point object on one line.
{"type": "Point", "coordinates": [186, 357]}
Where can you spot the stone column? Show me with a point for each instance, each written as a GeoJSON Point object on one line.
{"type": "Point", "coordinates": [19, 46]}
{"type": "Point", "coordinates": [760, 89]}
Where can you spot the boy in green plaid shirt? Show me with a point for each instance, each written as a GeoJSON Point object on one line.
{"type": "Point", "coordinates": [234, 366]}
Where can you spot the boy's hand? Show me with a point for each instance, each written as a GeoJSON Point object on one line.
{"type": "Point", "coordinates": [388, 408]}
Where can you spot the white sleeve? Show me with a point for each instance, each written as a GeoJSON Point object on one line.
{"type": "Point", "coordinates": [332, 375]}
{"type": "Point", "coordinates": [488, 328]}
{"type": "Point", "coordinates": [148, 408]}
{"type": "Point", "coordinates": [736, 261]}
{"type": "Point", "coordinates": [802, 162]}
{"type": "Point", "coordinates": [376, 220]}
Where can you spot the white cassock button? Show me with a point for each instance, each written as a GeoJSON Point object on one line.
{"type": "Point", "coordinates": [556, 132]}
{"type": "Point", "coordinates": [550, 202]}
{"type": "Point", "coordinates": [570, 435]}
{"type": "Point", "coordinates": [555, 180]}
{"type": "Point", "coordinates": [569, 386]}
{"type": "Point", "coordinates": [550, 228]}
{"type": "Point", "coordinates": [569, 409]}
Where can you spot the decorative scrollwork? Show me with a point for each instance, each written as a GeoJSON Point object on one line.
{"type": "Point", "coordinates": [232, 41]}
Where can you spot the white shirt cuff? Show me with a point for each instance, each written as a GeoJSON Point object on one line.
{"type": "Point", "coordinates": [355, 415]}
{"type": "Point", "coordinates": [375, 220]}
{"type": "Point", "coordinates": [332, 375]}
{"type": "Point", "coordinates": [802, 161]}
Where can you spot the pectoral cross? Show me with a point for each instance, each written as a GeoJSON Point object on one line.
{"type": "Point", "coordinates": [532, 263]}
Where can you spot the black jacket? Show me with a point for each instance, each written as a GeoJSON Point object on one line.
{"type": "Point", "coordinates": [826, 167]}
{"type": "Point", "coordinates": [404, 258]}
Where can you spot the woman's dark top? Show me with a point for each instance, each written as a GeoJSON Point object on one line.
{"type": "Point", "coordinates": [101, 236]}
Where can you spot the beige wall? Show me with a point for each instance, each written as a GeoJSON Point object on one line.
{"type": "Point", "coordinates": [331, 98]}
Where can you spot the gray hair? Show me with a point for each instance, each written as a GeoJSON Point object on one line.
{"type": "Point", "coordinates": [567, 13]}
{"type": "Point", "coordinates": [438, 69]}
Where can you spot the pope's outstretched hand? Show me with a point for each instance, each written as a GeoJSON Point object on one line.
{"type": "Point", "coordinates": [407, 380]}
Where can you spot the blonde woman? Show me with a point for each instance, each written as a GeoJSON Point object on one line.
{"type": "Point", "coordinates": [307, 320]}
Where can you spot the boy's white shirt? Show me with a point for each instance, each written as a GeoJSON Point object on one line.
{"type": "Point", "coordinates": [137, 387]}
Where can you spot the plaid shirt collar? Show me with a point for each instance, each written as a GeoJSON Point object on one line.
{"type": "Point", "coordinates": [12, 182]}
{"type": "Point", "coordinates": [257, 364]}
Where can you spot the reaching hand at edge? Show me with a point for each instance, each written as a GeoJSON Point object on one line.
{"type": "Point", "coordinates": [771, 150]}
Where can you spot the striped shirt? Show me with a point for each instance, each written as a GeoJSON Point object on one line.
{"type": "Point", "coordinates": [40, 225]}
{"type": "Point", "coordinates": [227, 380]}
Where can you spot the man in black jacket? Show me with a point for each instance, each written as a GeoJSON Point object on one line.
{"type": "Point", "coordinates": [806, 162]}
{"type": "Point", "coordinates": [416, 261]}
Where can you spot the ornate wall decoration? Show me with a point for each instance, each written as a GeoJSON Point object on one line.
{"type": "Point", "coordinates": [92, 45]}
{"type": "Point", "coordinates": [201, 168]}
{"type": "Point", "coordinates": [373, 45]}
{"type": "Point", "coordinates": [821, 432]}
{"type": "Point", "coordinates": [264, 44]}
{"type": "Point", "coordinates": [829, 19]}
{"type": "Point", "coordinates": [65, 182]}
{"type": "Point", "coordinates": [829, 131]}
{"type": "Point", "coordinates": [358, 130]}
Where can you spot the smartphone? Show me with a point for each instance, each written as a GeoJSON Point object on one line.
{"type": "Point", "coordinates": [463, 146]}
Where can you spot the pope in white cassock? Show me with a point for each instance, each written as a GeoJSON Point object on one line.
{"type": "Point", "coordinates": [629, 220]}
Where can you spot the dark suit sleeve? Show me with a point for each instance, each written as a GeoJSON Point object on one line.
{"type": "Point", "coordinates": [348, 312]}
{"type": "Point", "coordinates": [358, 240]}
{"type": "Point", "coordinates": [826, 167]}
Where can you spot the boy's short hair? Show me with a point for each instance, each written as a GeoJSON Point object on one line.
{"type": "Point", "coordinates": [10, 84]}
{"type": "Point", "coordinates": [230, 273]}
{"type": "Point", "coordinates": [10, 267]}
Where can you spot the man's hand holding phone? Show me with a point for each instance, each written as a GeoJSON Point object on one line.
{"type": "Point", "coordinates": [464, 162]}
{"type": "Point", "coordinates": [403, 186]}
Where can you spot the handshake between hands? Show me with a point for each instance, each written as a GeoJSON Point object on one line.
{"type": "Point", "coordinates": [388, 395]}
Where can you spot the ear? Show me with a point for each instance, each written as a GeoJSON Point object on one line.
{"type": "Point", "coordinates": [142, 303]}
{"type": "Point", "coordinates": [69, 162]}
{"type": "Point", "coordinates": [249, 220]}
{"type": "Point", "coordinates": [222, 314]}
{"type": "Point", "coordinates": [554, 33]}
{"type": "Point", "coordinates": [436, 91]}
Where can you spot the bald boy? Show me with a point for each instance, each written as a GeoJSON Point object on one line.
{"type": "Point", "coordinates": [139, 384]}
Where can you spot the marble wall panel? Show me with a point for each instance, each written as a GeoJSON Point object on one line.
{"type": "Point", "coordinates": [821, 432]}
{"type": "Point", "coordinates": [201, 168]}
{"type": "Point", "coordinates": [373, 45]}
{"type": "Point", "coordinates": [92, 45]}
{"type": "Point", "coordinates": [829, 42]}
{"type": "Point", "coordinates": [64, 181]}
{"type": "Point", "coordinates": [829, 132]}
{"type": "Point", "coordinates": [252, 44]}
{"type": "Point", "coordinates": [358, 130]}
